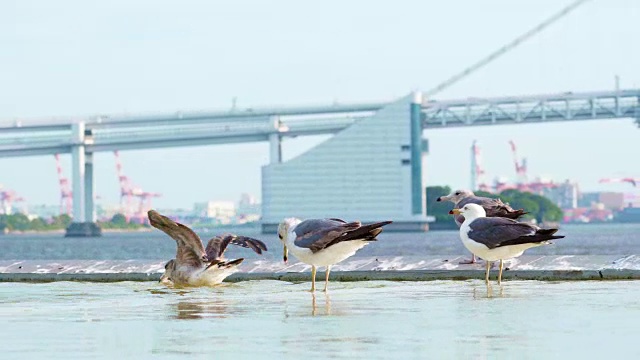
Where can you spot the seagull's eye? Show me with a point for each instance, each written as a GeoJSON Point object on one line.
{"type": "Point", "coordinates": [280, 236]}
{"type": "Point", "coordinates": [458, 193]}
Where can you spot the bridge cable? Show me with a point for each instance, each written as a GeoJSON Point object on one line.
{"type": "Point", "coordinates": [506, 48]}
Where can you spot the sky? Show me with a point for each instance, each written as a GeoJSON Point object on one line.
{"type": "Point", "coordinates": [73, 58]}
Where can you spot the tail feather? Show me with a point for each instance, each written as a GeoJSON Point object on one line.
{"type": "Point", "coordinates": [366, 232]}
{"type": "Point", "coordinates": [532, 239]}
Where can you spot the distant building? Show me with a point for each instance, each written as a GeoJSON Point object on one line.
{"type": "Point", "coordinates": [44, 211]}
{"type": "Point", "coordinates": [587, 199]}
{"type": "Point", "coordinates": [565, 195]}
{"type": "Point", "coordinates": [370, 171]}
{"type": "Point", "coordinates": [248, 206]}
{"type": "Point", "coordinates": [215, 209]}
{"type": "Point", "coordinates": [106, 212]}
{"type": "Point", "coordinates": [612, 200]}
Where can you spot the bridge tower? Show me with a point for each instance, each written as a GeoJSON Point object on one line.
{"type": "Point", "coordinates": [84, 219]}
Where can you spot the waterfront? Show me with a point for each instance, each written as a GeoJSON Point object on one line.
{"type": "Point", "coordinates": [605, 239]}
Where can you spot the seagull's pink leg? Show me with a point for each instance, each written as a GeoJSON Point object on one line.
{"type": "Point", "coordinates": [472, 261]}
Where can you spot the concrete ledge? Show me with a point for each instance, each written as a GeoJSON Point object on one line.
{"type": "Point", "coordinates": [550, 268]}
{"type": "Point", "coordinates": [85, 229]}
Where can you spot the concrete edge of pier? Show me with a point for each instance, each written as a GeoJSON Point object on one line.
{"type": "Point", "coordinates": [390, 268]}
{"type": "Point", "coordinates": [387, 275]}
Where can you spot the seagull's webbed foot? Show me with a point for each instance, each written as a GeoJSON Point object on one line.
{"type": "Point", "coordinates": [472, 261]}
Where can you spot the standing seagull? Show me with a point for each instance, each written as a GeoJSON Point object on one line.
{"type": "Point", "coordinates": [497, 238]}
{"type": "Point", "coordinates": [194, 265]}
{"type": "Point", "coordinates": [493, 208]}
{"type": "Point", "coordinates": [324, 242]}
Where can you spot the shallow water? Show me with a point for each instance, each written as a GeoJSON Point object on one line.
{"type": "Point", "coordinates": [370, 320]}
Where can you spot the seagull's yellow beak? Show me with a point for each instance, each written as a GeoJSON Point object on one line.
{"type": "Point", "coordinates": [286, 254]}
{"type": "Point", "coordinates": [455, 212]}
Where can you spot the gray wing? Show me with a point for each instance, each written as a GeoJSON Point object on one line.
{"type": "Point", "coordinates": [217, 245]}
{"type": "Point", "coordinates": [496, 231]}
{"type": "Point", "coordinates": [316, 234]}
{"type": "Point", "coordinates": [190, 250]}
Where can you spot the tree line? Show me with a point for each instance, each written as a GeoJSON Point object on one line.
{"type": "Point", "coordinates": [21, 222]}
{"type": "Point", "coordinates": [538, 207]}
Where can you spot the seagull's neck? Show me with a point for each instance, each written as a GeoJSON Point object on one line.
{"type": "Point", "coordinates": [293, 222]}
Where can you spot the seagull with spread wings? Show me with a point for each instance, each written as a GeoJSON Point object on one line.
{"type": "Point", "coordinates": [498, 238]}
{"type": "Point", "coordinates": [493, 208]}
{"type": "Point", "coordinates": [194, 265]}
{"type": "Point", "coordinates": [324, 242]}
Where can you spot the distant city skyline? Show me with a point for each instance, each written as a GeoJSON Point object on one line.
{"type": "Point", "coordinates": [74, 58]}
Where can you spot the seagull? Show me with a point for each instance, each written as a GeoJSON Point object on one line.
{"type": "Point", "coordinates": [194, 265]}
{"type": "Point", "coordinates": [498, 238]}
{"type": "Point", "coordinates": [493, 207]}
{"type": "Point", "coordinates": [324, 242]}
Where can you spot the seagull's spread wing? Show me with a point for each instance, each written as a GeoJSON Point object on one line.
{"type": "Point", "coordinates": [217, 245]}
{"type": "Point", "coordinates": [494, 232]}
{"type": "Point", "coordinates": [190, 250]}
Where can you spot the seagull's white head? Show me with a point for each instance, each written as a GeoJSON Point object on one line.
{"type": "Point", "coordinates": [470, 212]}
{"type": "Point", "coordinates": [283, 233]}
{"type": "Point", "coordinates": [456, 196]}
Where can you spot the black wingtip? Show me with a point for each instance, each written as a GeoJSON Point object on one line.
{"type": "Point", "coordinates": [547, 231]}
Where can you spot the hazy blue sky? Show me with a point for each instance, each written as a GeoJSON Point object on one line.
{"type": "Point", "coordinates": [87, 57]}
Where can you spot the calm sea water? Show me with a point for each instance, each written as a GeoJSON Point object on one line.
{"type": "Point", "coordinates": [361, 320]}
{"type": "Point", "coordinates": [606, 239]}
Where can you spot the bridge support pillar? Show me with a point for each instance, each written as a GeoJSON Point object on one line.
{"type": "Point", "coordinates": [89, 206]}
{"type": "Point", "coordinates": [275, 142]}
{"type": "Point", "coordinates": [417, 152]}
{"type": "Point", "coordinates": [83, 224]}
{"type": "Point", "coordinates": [77, 170]}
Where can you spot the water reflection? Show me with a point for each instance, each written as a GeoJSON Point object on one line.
{"type": "Point", "coordinates": [489, 292]}
{"type": "Point", "coordinates": [189, 310]}
{"type": "Point", "coordinates": [327, 304]}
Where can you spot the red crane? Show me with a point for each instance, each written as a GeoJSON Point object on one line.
{"type": "Point", "coordinates": [521, 166]}
{"type": "Point", "coordinates": [477, 171]}
{"type": "Point", "coordinates": [128, 191]}
{"type": "Point", "coordinates": [7, 198]}
{"type": "Point", "coordinates": [523, 183]}
{"type": "Point", "coordinates": [66, 196]}
{"type": "Point", "coordinates": [144, 206]}
{"type": "Point", "coordinates": [632, 181]}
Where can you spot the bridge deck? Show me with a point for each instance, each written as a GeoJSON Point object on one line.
{"type": "Point", "coordinates": [108, 133]}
